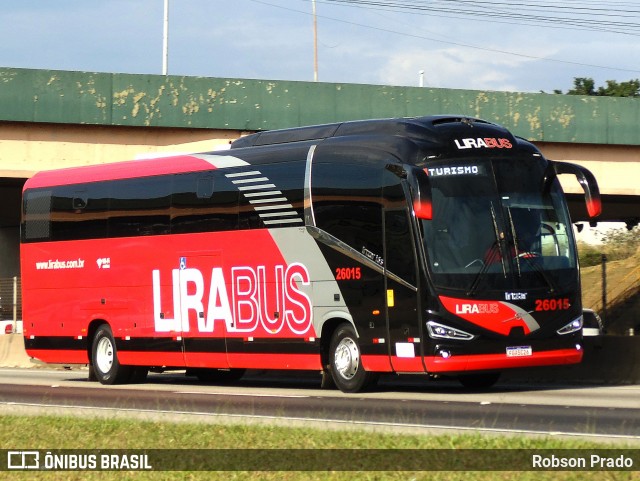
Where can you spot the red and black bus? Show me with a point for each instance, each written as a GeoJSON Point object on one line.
{"type": "Point", "coordinates": [438, 245]}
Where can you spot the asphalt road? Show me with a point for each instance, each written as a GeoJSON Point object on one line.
{"type": "Point", "coordinates": [610, 413]}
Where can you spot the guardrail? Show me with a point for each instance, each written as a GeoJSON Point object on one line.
{"type": "Point", "coordinates": [10, 299]}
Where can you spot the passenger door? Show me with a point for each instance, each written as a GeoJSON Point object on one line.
{"type": "Point", "coordinates": [204, 310]}
{"type": "Point", "coordinates": [402, 312]}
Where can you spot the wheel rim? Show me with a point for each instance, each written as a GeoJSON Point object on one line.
{"type": "Point", "coordinates": [347, 358]}
{"type": "Point", "coordinates": [104, 355]}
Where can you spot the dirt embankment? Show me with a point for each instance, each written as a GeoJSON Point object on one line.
{"type": "Point", "coordinates": [622, 293]}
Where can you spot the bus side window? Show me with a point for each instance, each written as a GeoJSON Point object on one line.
{"type": "Point", "coordinates": [399, 243]}
{"type": "Point", "coordinates": [140, 206]}
{"type": "Point", "coordinates": [203, 203]}
{"type": "Point", "coordinates": [347, 204]}
{"type": "Point", "coordinates": [76, 214]}
{"type": "Point", "coordinates": [37, 215]}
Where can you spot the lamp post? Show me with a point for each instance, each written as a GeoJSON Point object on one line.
{"type": "Point", "coordinates": [165, 39]}
{"type": "Point", "coordinates": [315, 42]}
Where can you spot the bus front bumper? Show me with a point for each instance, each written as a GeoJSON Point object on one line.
{"type": "Point", "coordinates": [446, 361]}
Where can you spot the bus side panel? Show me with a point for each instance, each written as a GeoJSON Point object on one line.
{"type": "Point", "coordinates": [68, 285]}
{"type": "Point", "coordinates": [213, 298]}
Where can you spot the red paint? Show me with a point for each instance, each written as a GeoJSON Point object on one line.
{"type": "Point", "coordinates": [120, 170]}
{"type": "Point", "coordinates": [479, 362]}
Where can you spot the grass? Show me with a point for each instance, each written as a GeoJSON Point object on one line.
{"type": "Point", "coordinates": [58, 432]}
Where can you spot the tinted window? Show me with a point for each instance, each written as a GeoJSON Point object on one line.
{"type": "Point", "coordinates": [399, 243]}
{"type": "Point", "coordinates": [37, 215]}
{"type": "Point", "coordinates": [347, 204]}
{"type": "Point", "coordinates": [202, 202]}
{"type": "Point", "coordinates": [140, 206]}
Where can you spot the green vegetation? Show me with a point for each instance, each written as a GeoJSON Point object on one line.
{"type": "Point", "coordinates": [587, 86]}
{"type": "Point", "coordinates": [49, 432]}
{"type": "Point", "coordinates": [617, 244]}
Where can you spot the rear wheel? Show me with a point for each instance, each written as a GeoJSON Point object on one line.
{"type": "Point", "coordinates": [345, 363]}
{"type": "Point", "coordinates": [104, 356]}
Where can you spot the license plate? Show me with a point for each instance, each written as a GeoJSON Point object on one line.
{"type": "Point", "coordinates": [519, 351]}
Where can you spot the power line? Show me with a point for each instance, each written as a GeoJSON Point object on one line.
{"type": "Point", "coordinates": [527, 14]}
{"type": "Point", "coordinates": [449, 42]}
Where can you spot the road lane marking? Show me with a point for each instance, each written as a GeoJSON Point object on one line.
{"type": "Point", "coordinates": [243, 394]}
{"type": "Point", "coordinates": [336, 421]}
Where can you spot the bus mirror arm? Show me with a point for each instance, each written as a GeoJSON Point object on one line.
{"type": "Point", "coordinates": [586, 180]}
{"type": "Point", "coordinates": [421, 193]}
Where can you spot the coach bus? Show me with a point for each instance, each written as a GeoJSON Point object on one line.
{"type": "Point", "coordinates": [437, 245]}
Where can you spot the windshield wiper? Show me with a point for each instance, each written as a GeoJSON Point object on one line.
{"type": "Point", "coordinates": [528, 257]}
{"type": "Point", "coordinates": [496, 249]}
{"type": "Point", "coordinates": [515, 241]}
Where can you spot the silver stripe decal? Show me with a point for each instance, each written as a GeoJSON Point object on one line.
{"type": "Point", "coordinates": [243, 174]}
{"type": "Point", "coordinates": [279, 204]}
{"type": "Point", "coordinates": [261, 194]}
{"type": "Point", "coordinates": [349, 251]}
{"type": "Point", "coordinates": [281, 221]}
{"type": "Point", "coordinates": [274, 207]}
{"type": "Point", "coordinates": [309, 217]}
{"type": "Point", "coordinates": [221, 161]}
{"type": "Point", "coordinates": [247, 181]}
{"type": "Point", "coordinates": [271, 199]}
{"type": "Point", "coordinates": [278, 214]}
{"type": "Point", "coordinates": [256, 187]}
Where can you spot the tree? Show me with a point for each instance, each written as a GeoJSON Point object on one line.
{"type": "Point", "coordinates": [622, 89]}
{"type": "Point", "coordinates": [583, 86]}
{"type": "Point", "coordinates": [586, 86]}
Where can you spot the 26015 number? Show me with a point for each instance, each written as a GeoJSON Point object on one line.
{"type": "Point", "coordinates": [348, 273]}
{"type": "Point", "coordinates": [552, 304]}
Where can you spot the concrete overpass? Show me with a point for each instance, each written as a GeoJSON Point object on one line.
{"type": "Point", "coordinates": [51, 119]}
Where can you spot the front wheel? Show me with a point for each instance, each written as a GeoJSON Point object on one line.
{"type": "Point", "coordinates": [345, 363]}
{"type": "Point", "coordinates": [106, 367]}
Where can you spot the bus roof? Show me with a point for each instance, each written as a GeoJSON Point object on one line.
{"type": "Point", "coordinates": [434, 132]}
{"type": "Point", "coordinates": [430, 128]}
{"type": "Point", "coordinates": [147, 167]}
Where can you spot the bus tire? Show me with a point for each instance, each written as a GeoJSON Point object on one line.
{"type": "Point", "coordinates": [104, 356]}
{"type": "Point", "coordinates": [345, 363]}
{"type": "Point", "coordinates": [479, 381]}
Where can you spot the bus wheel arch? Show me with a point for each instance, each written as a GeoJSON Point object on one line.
{"type": "Point", "coordinates": [104, 362]}
{"type": "Point", "coordinates": [342, 357]}
{"type": "Point", "coordinates": [91, 331]}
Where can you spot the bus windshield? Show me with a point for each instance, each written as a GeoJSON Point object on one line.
{"type": "Point", "coordinates": [496, 226]}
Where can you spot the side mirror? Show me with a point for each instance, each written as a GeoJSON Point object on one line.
{"type": "Point", "coordinates": [420, 193]}
{"type": "Point", "coordinates": [586, 180]}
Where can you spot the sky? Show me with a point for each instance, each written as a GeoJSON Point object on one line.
{"type": "Point", "coordinates": [499, 45]}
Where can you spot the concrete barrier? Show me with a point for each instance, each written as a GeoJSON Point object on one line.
{"type": "Point", "coordinates": [12, 353]}
{"type": "Point", "coordinates": [607, 360]}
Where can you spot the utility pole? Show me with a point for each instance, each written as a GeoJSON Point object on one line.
{"type": "Point", "coordinates": [315, 42]}
{"type": "Point", "coordinates": [165, 40]}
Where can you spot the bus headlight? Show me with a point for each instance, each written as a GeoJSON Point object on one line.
{"type": "Point", "coordinates": [440, 331]}
{"type": "Point", "coordinates": [573, 326]}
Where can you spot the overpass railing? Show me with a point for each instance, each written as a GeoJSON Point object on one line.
{"type": "Point", "coordinates": [10, 299]}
